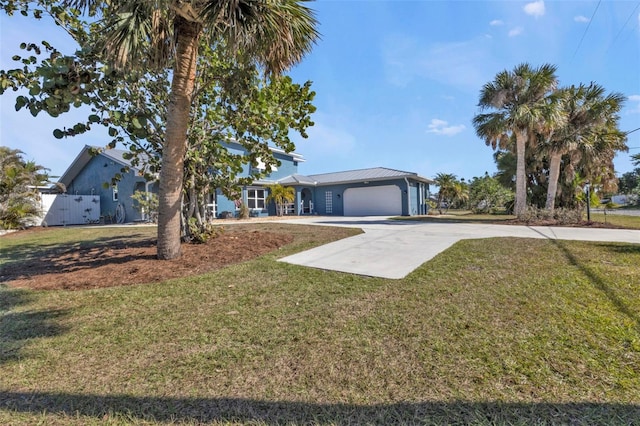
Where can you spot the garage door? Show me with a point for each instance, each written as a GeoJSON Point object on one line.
{"type": "Point", "coordinates": [373, 201]}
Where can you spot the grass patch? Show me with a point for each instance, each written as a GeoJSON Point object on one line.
{"type": "Point", "coordinates": [493, 331]}
{"type": "Point", "coordinates": [618, 219]}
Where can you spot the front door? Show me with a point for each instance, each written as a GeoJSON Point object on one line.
{"type": "Point", "coordinates": [306, 205]}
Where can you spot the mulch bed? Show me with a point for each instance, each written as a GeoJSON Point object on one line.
{"type": "Point", "coordinates": [123, 262]}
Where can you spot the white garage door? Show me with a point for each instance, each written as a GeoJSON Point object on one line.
{"type": "Point", "coordinates": [373, 201]}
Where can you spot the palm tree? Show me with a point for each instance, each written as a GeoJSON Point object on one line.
{"type": "Point", "coordinates": [281, 195]}
{"type": "Point", "coordinates": [460, 193]}
{"type": "Point", "coordinates": [446, 189]}
{"type": "Point", "coordinates": [588, 117]}
{"type": "Point", "coordinates": [518, 98]}
{"type": "Point", "coordinates": [166, 33]}
{"type": "Point", "coordinates": [19, 196]}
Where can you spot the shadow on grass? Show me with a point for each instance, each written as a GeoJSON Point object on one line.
{"type": "Point", "coordinates": [18, 328]}
{"type": "Point", "coordinates": [167, 409]}
{"type": "Point", "coordinates": [597, 280]}
{"type": "Point", "coordinates": [31, 260]}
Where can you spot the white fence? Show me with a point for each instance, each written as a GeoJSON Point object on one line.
{"type": "Point", "coordinates": [67, 209]}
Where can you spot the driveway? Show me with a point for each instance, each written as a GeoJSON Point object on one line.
{"type": "Point", "coordinates": [392, 248]}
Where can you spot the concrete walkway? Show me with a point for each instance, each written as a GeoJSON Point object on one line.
{"type": "Point", "coordinates": [392, 249]}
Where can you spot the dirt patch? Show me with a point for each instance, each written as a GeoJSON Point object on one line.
{"type": "Point", "coordinates": [126, 262]}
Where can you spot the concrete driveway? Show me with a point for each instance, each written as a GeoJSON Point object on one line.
{"type": "Point", "coordinates": [392, 249]}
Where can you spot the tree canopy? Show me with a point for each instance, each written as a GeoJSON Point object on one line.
{"type": "Point", "coordinates": [130, 50]}
{"type": "Point", "coordinates": [552, 140]}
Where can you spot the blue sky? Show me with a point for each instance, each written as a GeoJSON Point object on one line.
{"type": "Point", "coordinates": [397, 82]}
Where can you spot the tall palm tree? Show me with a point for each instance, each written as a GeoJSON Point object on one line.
{"type": "Point", "coordinates": [166, 33]}
{"type": "Point", "coordinates": [590, 120]}
{"type": "Point", "coordinates": [518, 100]}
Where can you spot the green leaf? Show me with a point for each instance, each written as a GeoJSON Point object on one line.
{"type": "Point", "coordinates": [94, 118]}
{"type": "Point", "coordinates": [58, 134]}
{"type": "Point", "coordinates": [112, 132]}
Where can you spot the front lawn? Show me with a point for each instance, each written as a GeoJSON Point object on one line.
{"type": "Point", "coordinates": [492, 331]}
{"type": "Point", "coordinates": [597, 219]}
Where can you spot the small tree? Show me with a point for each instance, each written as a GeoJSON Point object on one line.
{"type": "Point", "coordinates": [486, 193]}
{"type": "Point", "coordinates": [450, 190]}
{"type": "Point", "coordinates": [281, 195]}
{"type": "Point", "coordinates": [146, 203]}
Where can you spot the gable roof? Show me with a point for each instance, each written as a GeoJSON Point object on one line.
{"type": "Point", "coordinates": [296, 179]}
{"type": "Point", "coordinates": [365, 175]}
{"type": "Point", "coordinates": [351, 176]}
{"type": "Point", "coordinates": [83, 158]}
{"type": "Point", "coordinates": [117, 155]}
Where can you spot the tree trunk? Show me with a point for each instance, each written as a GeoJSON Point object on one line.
{"type": "Point", "coordinates": [521, 174]}
{"type": "Point", "coordinates": [175, 144]}
{"type": "Point", "coordinates": [554, 175]}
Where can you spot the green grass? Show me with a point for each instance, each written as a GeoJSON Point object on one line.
{"type": "Point", "coordinates": [621, 220]}
{"type": "Point", "coordinates": [461, 216]}
{"type": "Point", "coordinates": [493, 331]}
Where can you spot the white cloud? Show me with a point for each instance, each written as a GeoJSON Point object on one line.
{"type": "Point", "coordinates": [581, 19]}
{"type": "Point", "coordinates": [516, 31]}
{"type": "Point", "coordinates": [441, 127]}
{"type": "Point", "coordinates": [535, 9]}
{"type": "Point", "coordinates": [496, 23]}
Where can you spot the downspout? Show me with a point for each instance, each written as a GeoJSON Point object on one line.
{"type": "Point", "coordinates": [408, 197]}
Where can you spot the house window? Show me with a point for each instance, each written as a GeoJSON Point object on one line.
{"type": "Point", "coordinates": [255, 198]}
{"type": "Point", "coordinates": [114, 190]}
{"type": "Point", "coordinates": [328, 205]}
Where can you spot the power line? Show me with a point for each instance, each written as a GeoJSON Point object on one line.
{"type": "Point", "coordinates": [625, 24]}
{"type": "Point", "coordinates": [586, 30]}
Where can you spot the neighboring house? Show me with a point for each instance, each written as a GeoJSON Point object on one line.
{"type": "Point", "coordinates": [369, 192]}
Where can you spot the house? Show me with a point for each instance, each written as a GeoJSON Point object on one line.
{"type": "Point", "coordinates": [377, 191]}
{"type": "Point", "coordinates": [365, 192]}
{"type": "Point", "coordinates": [92, 174]}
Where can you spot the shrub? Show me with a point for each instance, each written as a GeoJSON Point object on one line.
{"type": "Point", "coordinates": [200, 233]}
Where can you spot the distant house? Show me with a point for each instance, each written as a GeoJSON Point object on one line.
{"type": "Point", "coordinates": [367, 192]}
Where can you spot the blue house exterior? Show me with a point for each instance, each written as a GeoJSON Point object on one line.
{"type": "Point", "coordinates": [89, 174]}
{"type": "Point", "coordinates": [254, 196]}
{"type": "Point", "coordinates": [366, 192]}
{"type": "Point", "coordinates": [376, 191]}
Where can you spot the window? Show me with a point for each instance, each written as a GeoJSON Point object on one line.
{"type": "Point", "coordinates": [328, 206]}
{"type": "Point", "coordinates": [114, 190]}
{"type": "Point", "coordinates": [211, 207]}
{"type": "Point", "coordinates": [255, 198]}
